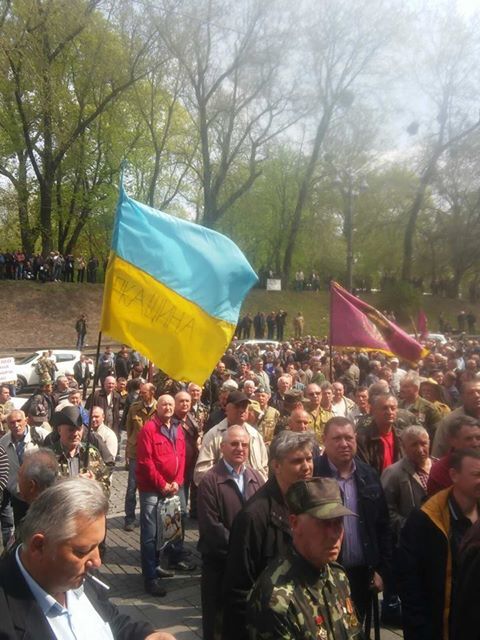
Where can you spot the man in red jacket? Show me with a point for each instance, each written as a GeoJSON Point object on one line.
{"type": "Point", "coordinates": [160, 473]}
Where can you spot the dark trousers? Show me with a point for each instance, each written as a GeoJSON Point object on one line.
{"type": "Point", "coordinates": [359, 578]}
{"type": "Point", "coordinates": [213, 569]}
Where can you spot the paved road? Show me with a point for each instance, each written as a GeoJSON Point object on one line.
{"type": "Point", "coordinates": [179, 612]}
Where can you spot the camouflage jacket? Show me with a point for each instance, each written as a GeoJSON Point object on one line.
{"type": "Point", "coordinates": [267, 423]}
{"type": "Point", "coordinates": [318, 420]}
{"type": "Point", "coordinates": [95, 463]}
{"type": "Point", "coordinates": [294, 601]}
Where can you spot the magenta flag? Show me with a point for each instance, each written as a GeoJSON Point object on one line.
{"type": "Point", "coordinates": [354, 323]}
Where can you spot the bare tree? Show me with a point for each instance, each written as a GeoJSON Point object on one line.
{"type": "Point", "coordinates": [344, 40]}
{"type": "Point", "coordinates": [232, 56]}
{"type": "Point", "coordinates": [448, 77]}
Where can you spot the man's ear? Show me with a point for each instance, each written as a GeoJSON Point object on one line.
{"type": "Point", "coordinates": [36, 545]}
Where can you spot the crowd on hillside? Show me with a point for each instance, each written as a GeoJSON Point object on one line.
{"type": "Point", "coordinates": [392, 448]}
{"type": "Point", "coordinates": [19, 265]}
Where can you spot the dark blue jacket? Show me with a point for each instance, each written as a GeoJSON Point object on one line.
{"type": "Point", "coordinates": [375, 530]}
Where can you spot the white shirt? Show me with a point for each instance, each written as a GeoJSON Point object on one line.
{"type": "Point", "coordinates": [109, 438]}
{"type": "Point", "coordinates": [79, 620]}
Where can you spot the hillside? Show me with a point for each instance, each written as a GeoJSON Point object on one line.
{"type": "Point", "coordinates": [44, 315]}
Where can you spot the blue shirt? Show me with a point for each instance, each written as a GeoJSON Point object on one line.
{"type": "Point", "coordinates": [352, 549]}
{"type": "Point", "coordinates": [78, 621]}
{"type": "Point", "coordinates": [238, 477]}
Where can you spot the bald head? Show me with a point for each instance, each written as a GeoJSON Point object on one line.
{"type": "Point", "coordinates": [183, 404]}
{"type": "Point", "coordinates": [165, 408]}
{"type": "Point", "coordinates": [299, 421]}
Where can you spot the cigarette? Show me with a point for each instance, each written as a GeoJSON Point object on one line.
{"type": "Point", "coordinates": [102, 584]}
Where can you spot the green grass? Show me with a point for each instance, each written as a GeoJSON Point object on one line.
{"type": "Point", "coordinates": [315, 308]}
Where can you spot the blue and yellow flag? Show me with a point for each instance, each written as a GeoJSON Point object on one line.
{"type": "Point", "coordinates": [173, 290]}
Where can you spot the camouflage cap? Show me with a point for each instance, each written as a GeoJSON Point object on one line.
{"type": "Point", "coordinates": [254, 406]}
{"type": "Point", "coordinates": [319, 497]}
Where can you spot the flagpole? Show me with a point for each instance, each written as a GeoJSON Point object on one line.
{"type": "Point", "coordinates": [95, 381]}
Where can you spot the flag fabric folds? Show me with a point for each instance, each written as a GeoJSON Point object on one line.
{"type": "Point", "coordinates": [354, 323]}
{"type": "Point", "coordinates": [173, 290]}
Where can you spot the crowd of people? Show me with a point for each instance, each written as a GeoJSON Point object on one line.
{"type": "Point", "coordinates": [317, 480]}
{"type": "Point", "coordinates": [56, 267]}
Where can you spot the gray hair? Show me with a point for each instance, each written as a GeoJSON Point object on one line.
{"type": "Point", "coordinates": [22, 414]}
{"type": "Point", "coordinates": [411, 378]}
{"type": "Point", "coordinates": [378, 389]}
{"type": "Point", "coordinates": [413, 431]}
{"type": "Point", "coordinates": [228, 431]}
{"type": "Point", "coordinates": [326, 385]}
{"type": "Point", "coordinates": [287, 441]}
{"type": "Point", "coordinates": [40, 466]}
{"type": "Point", "coordinates": [378, 397]}
{"type": "Point", "coordinates": [55, 511]}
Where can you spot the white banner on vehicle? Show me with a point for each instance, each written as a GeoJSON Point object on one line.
{"type": "Point", "coordinates": [7, 370]}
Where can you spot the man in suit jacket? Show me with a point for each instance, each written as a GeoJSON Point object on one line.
{"type": "Point", "coordinates": [367, 542]}
{"type": "Point", "coordinates": [46, 588]}
{"type": "Point", "coordinates": [222, 492]}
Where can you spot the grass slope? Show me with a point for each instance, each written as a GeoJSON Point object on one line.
{"type": "Point", "coordinates": [44, 315]}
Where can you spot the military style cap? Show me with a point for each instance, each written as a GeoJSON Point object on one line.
{"type": "Point", "coordinates": [237, 397]}
{"type": "Point", "coordinates": [261, 389]}
{"type": "Point", "coordinates": [68, 415]}
{"type": "Point", "coordinates": [293, 395]}
{"type": "Point", "coordinates": [319, 497]}
{"type": "Point", "coordinates": [254, 405]}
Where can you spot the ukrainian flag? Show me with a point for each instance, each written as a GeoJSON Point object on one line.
{"type": "Point", "coordinates": [173, 290]}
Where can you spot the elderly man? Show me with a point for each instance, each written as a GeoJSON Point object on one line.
{"type": "Point", "coordinates": [139, 413]}
{"type": "Point", "coordinates": [20, 439]}
{"type": "Point", "coordinates": [221, 494]}
{"type": "Point", "coordinates": [46, 589]}
{"type": "Point", "coordinates": [198, 409]}
{"type": "Point", "coordinates": [192, 435]}
{"type": "Point", "coordinates": [405, 481]}
{"type": "Point", "coordinates": [284, 384]}
{"type": "Point", "coordinates": [105, 434]}
{"type": "Point", "coordinates": [463, 433]}
{"type": "Point", "coordinates": [281, 603]}
{"type": "Point", "coordinates": [320, 407]}
{"type": "Point", "coordinates": [75, 457]}
{"type": "Point", "coordinates": [62, 389]}
{"type": "Point", "coordinates": [341, 406]}
{"type": "Point", "coordinates": [261, 530]}
{"type": "Point", "coordinates": [361, 407]}
{"type": "Point", "coordinates": [109, 400]}
{"type": "Point", "coordinates": [236, 410]}
{"type": "Point", "coordinates": [425, 412]}
{"type": "Point", "coordinates": [39, 471]}
{"type": "Point", "coordinates": [261, 374]}
{"type": "Point", "coordinates": [367, 543]}
{"type": "Point", "coordinates": [269, 418]}
{"type": "Point", "coordinates": [160, 472]}
{"type": "Point", "coordinates": [470, 407]}
{"type": "Point", "coordinates": [378, 441]}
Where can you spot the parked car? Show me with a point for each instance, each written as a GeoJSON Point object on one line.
{"type": "Point", "coordinates": [262, 344]}
{"type": "Point", "coordinates": [27, 375]}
